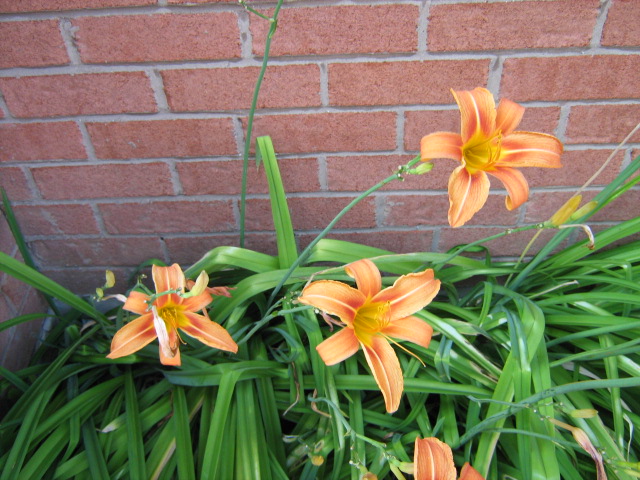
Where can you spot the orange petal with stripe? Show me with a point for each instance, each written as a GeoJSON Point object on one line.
{"type": "Point", "coordinates": [516, 185]}
{"type": "Point", "coordinates": [508, 116]}
{"type": "Point", "coordinates": [334, 298]}
{"type": "Point", "coordinates": [197, 302]}
{"type": "Point", "coordinates": [433, 460]}
{"type": "Point", "coordinates": [467, 194]}
{"type": "Point", "coordinates": [409, 294]}
{"type": "Point", "coordinates": [168, 278]}
{"type": "Point", "coordinates": [338, 347]}
{"type": "Point", "coordinates": [469, 473]}
{"type": "Point", "coordinates": [386, 371]}
{"type": "Point", "coordinates": [137, 303]}
{"type": "Point", "coordinates": [133, 336]}
{"type": "Point", "coordinates": [208, 332]}
{"type": "Point", "coordinates": [530, 149]}
{"type": "Point", "coordinates": [366, 275]}
{"type": "Point", "coordinates": [441, 145]}
{"type": "Point", "coordinates": [411, 329]}
{"type": "Point", "coordinates": [477, 111]}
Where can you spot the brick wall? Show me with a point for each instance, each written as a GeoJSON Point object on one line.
{"type": "Point", "coordinates": [122, 121]}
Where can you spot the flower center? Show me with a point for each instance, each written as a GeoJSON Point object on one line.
{"type": "Point", "coordinates": [481, 153]}
{"type": "Point", "coordinates": [371, 319]}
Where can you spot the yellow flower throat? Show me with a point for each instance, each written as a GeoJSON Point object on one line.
{"type": "Point", "coordinates": [370, 320]}
{"type": "Point", "coordinates": [481, 153]}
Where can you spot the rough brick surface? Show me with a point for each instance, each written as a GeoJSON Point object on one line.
{"type": "Point", "coordinates": [11, 6]}
{"type": "Point", "coordinates": [340, 29]}
{"type": "Point", "coordinates": [571, 78]}
{"type": "Point", "coordinates": [329, 132]}
{"type": "Point", "coordinates": [73, 219]}
{"type": "Point", "coordinates": [15, 183]}
{"type": "Point", "coordinates": [158, 38]}
{"type": "Point", "coordinates": [163, 138]}
{"type": "Point", "coordinates": [602, 123]}
{"type": "Point", "coordinates": [31, 44]}
{"type": "Point", "coordinates": [232, 88]}
{"type": "Point", "coordinates": [391, 83]}
{"type": "Point", "coordinates": [87, 94]}
{"type": "Point", "coordinates": [168, 217]}
{"type": "Point", "coordinates": [40, 141]}
{"type": "Point", "coordinates": [621, 29]}
{"type": "Point", "coordinates": [99, 181]}
{"type": "Point", "coordinates": [396, 241]}
{"type": "Point", "coordinates": [511, 25]}
{"type": "Point", "coordinates": [186, 250]}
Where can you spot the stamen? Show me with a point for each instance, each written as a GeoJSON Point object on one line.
{"type": "Point", "coordinates": [388, 338]}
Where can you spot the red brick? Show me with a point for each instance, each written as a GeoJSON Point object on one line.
{"type": "Point", "coordinates": [602, 123]}
{"type": "Point", "coordinates": [86, 280]}
{"type": "Point", "coordinates": [329, 132]}
{"type": "Point", "coordinates": [358, 173]}
{"type": "Point", "coordinates": [621, 209]}
{"type": "Point", "coordinates": [421, 123]}
{"type": "Point", "coordinates": [108, 252]}
{"type": "Point", "coordinates": [31, 44]}
{"type": "Point", "coordinates": [98, 181]}
{"type": "Point", "coordinates": [22, 338]}
{"type": "Point", "coordinates": [168, 217]}
{"type": "Point", "coordinates": [235, 2]}
{"type": "Point", "coordinates": [340, 30]}
{"type": "Point", "coordinates": [7, 242]}
{"type": "Point", "coordinates": [163, 138]}
{"type": "Point", "coordinates": [392, 83]}
{"type": "Point", "coordinates": [313, 213]}
{"type": "Point", "coordinates": [396, 241]}
{"type": "Point", "coordinates": [13, 180]}
{"type": "Point", "coordinates": [56, 219]}
{"type": "Point", "coordinates": [86, 94]}
{"type": "Point", "coordinates": [11, 6]}
{"type": "Point", "coordinates": [232, 88]}
{"type": "Point", "coordinates": [577, 167]}
{"type": "Point", "coordinates": [416, 210]}
{"type": "Point", "coordinates": [620, 29]}
{"type": "Point", "coordinates": [497, 26]}
{"type": "Point", "coordinates": [40, 141]}
{"type": "Point", "coordinates": [158, 38]}
{"type": "Point", "coordinates": [188, 250]}
{"type": "Point", "coordinates": [571, 78]}
{"type": "Point", "coordinates": [298, 175]}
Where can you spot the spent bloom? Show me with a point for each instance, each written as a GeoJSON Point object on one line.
{"type": "Point", "coordinates": [166, 312]}
{"type": "Point", "coordinates": [370, 316]}
{"type": "Point", "coordinates": [488, 144]}
{"type": "Point", "coordinates": [433, 460]}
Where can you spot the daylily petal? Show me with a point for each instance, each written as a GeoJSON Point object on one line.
{"type": "Point", "coordinates": [409, 294]}
{"type": "Point", "coordinates": [530, 149]}
{"type": "Point", "coordinates": [386, 371]}
{"type": "Point", "coordinates": [441, 145]}
{"type": "Point", "coordinates": [208, 332]}
{"type": "Point", "coordinates": [167, 278]}
{"type": "Point", "coordinates": [433, 460]}
{"type": "Point", "coordinates": [137, 303]}
{"type": "Point", "coordinates": [516, 185]}
{"type": "Point", "coordinates": [197, 303]}
{"type": "Point", "coordinates": [411, 329]}
{"type": "Point", "coordinates": [172, 361]}
{"type": "Point", "coordinates": [338, 347]}
{"type": "Point", "coordinates": [133, 336]}
{"type": "Point", "coordinates": [508, 116]}
{"type": "Point", "coordinates": [478, 113]}
{"type": "Point", "coordinates": [467, 194]}
{"type": "Point", "coordinates": [469, 473]}
{"type": "Point", "coordinates": [366, 275]}
{"type": "Point", "coordinates": [335, 298]}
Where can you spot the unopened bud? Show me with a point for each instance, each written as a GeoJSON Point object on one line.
{"type": "Point", "coordinates": [110, 279]}
{"type": "Point", "coordinates": [583, 413]}
{"type": "Point", "coordinates": [583, 210]}
{"type": "Point", "coordinates": [424, 167]}
{"type": "Point", "coordinates": [564, 213]}
{"type": "Point", "coordinates": [317, 460]}
{"type": "Point", "coordinates": [369, 476]}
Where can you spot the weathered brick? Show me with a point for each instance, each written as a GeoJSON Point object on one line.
{"type": "Point", "coordinates": [14, 182]}
{"type": "Point", "coordinates": [11, 6]}
{"type": "Point", "coordinates": [98, 181]}
{"type": "Point", "coordinates": [358, 173]}
{"type": "Point", "coordinates": [623, 208]}
{"type": "Point", "coordinates": [86, 280]}
{"type": "Point", "coordinates": [31, 44]}
{"type": "Point", "coordinates": [298, 175]}
{"type": "Point", "coordinates": [543, 205]}
{"type": "Point", "coordinates": [232, 88]}
{"type": "Point", "coordinates": [340, 30]}
{"type": "Point", "coordinates": [414, 210]}
{"type": "Point", "coordinates": [571, 78]}
{"type": "Point", "coordinates": [511, 25]}
{"type": "Point", "coordinates": [108, 252]}
{"type": "Point", "coordinates": [602, 123]}
{"type": "Point", "coordinates": [86, 94]}
{"type": "Point", "coordinates": [40, 141]}
{"type": "Point", "coordinates": [56, 219]}
{"type": "Point", "coordinates": [158, 38]}
{"type": "Point", "coordinates": [620, 29]}
{"type": "Point", "coordinates": [396, 241]}
{"type": "Point", "coordinates": [392, 83]}
{"type": "Point", "coordinates": [329, 132]}
{"type": "Point", "coordinates": [163, 138]}
{"type": "Point", "coordinates": [187, 250]}
{"type": "Point", "coordinates": [312, 213]}
{"type": "Point", "coordinates": [168, 217]}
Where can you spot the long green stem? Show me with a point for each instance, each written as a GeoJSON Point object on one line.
{"type": "Point", "coordinates": [252, 111]}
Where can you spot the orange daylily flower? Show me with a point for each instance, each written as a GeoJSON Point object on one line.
{"type": "Point", "coordinates": [433, 460]}
{"type": "Point", "coordinates": [488, 144]}
{"type": "Point", "coordinates": [162, 315]}
{"type": "Point", "coordinates": [371, 316]}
